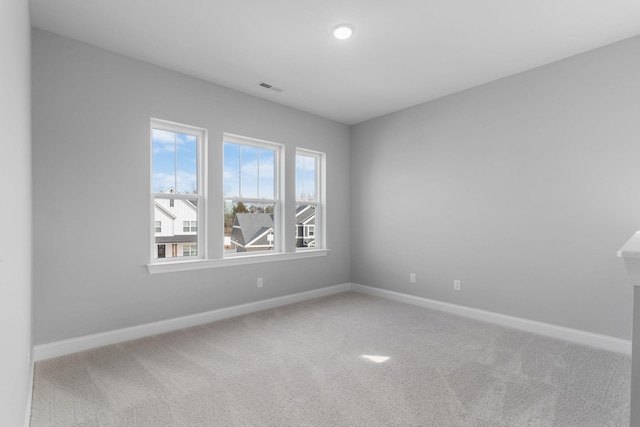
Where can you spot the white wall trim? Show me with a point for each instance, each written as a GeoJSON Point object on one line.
{"type": "Point", "coordinates": [73, 345]}
{"type": "Point", "coordinates": [61, 348]}
{"type": "Point", "coordinates": [232, 261]}
{"type": "Point", "coordinates": [27, 419]}
{"type": "Point", "coordinates": [573, 335]}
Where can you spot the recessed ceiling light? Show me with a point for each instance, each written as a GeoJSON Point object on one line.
{"type": "Point", "coordinates": [342, 31]}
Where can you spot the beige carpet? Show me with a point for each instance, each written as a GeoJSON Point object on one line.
{"type": "Point", "coordinates": [303, 365]}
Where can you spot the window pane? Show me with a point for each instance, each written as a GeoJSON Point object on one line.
{"type": "Point", "coordinates": [174, 162]}
{"type": "Point", "coordinates": [306, 178]}
{"type": "Point", "coordinates": [310, 178]}
{"type": "Point", "coordinates": [177, 230]}
{"type": "Point", "coordinates": [231, 170]}
{"type": "Point", "coordinates": [248, 171]}
{"type": "Point", "coordinates": [305, 225]}
{"type": "Point", "coordinates": [267, 174]}
{"type": "Point", "coordinates": [186, 161]}
{"type": "Point", "coordinates": [248, 227]}
{"type": "Point", "coordinates": [299, 177]}
{"type": "Point", "coordinates": [163, 160]}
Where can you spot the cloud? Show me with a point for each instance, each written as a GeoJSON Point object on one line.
{"type": "Point", "coordinates": [163, 136]}
{"type": "Point", "coordinates": [305, 163]}
{"type": "Point", "coordinates": [161, 182]}
{"type": "Point", "coordinates": [252, 171]}
{"type": "Point", "coordinates": [168, 141]}
{"type": "Point", "coordinates": [186, 183]}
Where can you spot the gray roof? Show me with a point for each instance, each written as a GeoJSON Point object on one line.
{"type": "Point", "coordinates": [186, 238]}
{"type": "Point", "coordinates": [251, 226]}
{"type": "Point", "coordinates": [303, 214]}
{"type": "Point", "coordinates": [248, 226]}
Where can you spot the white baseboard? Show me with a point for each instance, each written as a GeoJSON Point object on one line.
{"type": "Point", "coordinates": [573, 335]}
{"type": "Point", "coordinates": [27, 419]}
{"type": "Point", "coordinates": [61, 348]}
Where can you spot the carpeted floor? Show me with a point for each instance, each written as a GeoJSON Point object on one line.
{"type": "Point", "coordinates": [303, 365]}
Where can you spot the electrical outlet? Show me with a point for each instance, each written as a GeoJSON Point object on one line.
{"type": "Point", "coordinates": [457, 285]}
{"type": "Point", "coordinates": [412, 278]}
{"type": "Point", "coordinates": [259, 282]}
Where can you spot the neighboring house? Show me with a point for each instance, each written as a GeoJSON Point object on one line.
{"type": "Point", "coordinates": [176, 227]}
{"type": "Point", "coordinates": [254, 231]}
{"type": "Point", "coordinates": [306, 226]}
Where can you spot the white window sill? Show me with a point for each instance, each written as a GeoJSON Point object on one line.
{"type": "Point", "coordinates": [199, 264]}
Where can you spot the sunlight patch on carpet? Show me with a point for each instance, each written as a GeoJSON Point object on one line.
{"type": "Point", "coordinates": [377, 359]}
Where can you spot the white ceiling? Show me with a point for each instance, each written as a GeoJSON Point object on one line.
{"type": "Point", "coordinates": [402, 53]}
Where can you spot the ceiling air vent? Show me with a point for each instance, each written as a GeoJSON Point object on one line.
{"type": "Point", "coordinates": [270, 87]}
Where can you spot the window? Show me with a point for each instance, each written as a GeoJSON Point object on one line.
{"type": "Point", "coordinates": [256, 219]}
{"type": "Point", "coordinates": [189, 250]}
{"type": "Point", "coordinates": [177, 189]}
{"type": "Point", "coordinates": [189, 226]}
{"type": "Point", "coordinates": [251, 195]}
{"type": "Point", "coordinates": [308, 199]}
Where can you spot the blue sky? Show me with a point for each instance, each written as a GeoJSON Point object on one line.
{"type": "Point", "coordinates": [248, 171]}
{"type": "Point", "coordinates": [305, 178]}
{"type": "Point", "coordinates": [171, 149]}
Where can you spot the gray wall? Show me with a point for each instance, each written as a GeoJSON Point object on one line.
{"type": "Point", "coordinates": [91, 191]}
{"type": "Point", "coordinates": [15, 211]}
{"type": "Point", "coordinates": [523, 188]}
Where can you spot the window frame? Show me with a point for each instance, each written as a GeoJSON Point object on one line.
{"type": "Point", "coordinates": [319, 202]}
{"type": "Point", "coordinates": [201, 136]}
{"type": "Point", "coordinates": [210, 239]}
{"type": "Point", "coordinates": [276, 201]}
